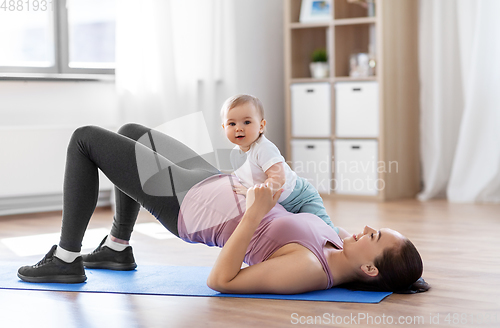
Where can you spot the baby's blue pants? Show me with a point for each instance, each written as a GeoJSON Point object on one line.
{"type": "Point", "coordinates": [306, 199]}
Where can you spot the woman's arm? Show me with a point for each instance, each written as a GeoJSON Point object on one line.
{"type": "Point", "coordinates": [296, 272]}
{"type": "Point", "coordinates": [260, 200]}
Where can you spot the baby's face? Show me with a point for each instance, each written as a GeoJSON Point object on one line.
{"type": "Point", "coordinates": [243, 125]}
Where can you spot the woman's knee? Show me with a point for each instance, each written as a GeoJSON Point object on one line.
{"type": "Point", "coordinates": [133, 130]}
{"type": "Point", "coordinates": [84, 132]}
{"type": "Point", "coordinates": [82, 136]}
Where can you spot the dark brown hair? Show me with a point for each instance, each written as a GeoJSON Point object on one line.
{"type": "Point", "coordinates": [399, 270]}
{"type": "Point", "coordinates": [398, 267]}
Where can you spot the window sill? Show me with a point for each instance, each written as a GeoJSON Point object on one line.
{"type": "Point", "coordinates": [56, 77]}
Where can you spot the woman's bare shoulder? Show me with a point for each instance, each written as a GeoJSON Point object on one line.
{"type": "Point", "coordinates": [303, 258]}
{"type": "Point", "coordinates": [307, 265]}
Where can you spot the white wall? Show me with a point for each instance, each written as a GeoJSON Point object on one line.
{"type": "Point", "coordinates": [49, 103]}
{"type": "Point", "coordinates": [259, 29]}
{"type": "Point", "coordinates": [37, 119]}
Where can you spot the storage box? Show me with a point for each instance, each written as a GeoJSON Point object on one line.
{"type": "Point", "coordinates": [356, 109]}
{"type": "Point", "coordinates": [355, 167]}
{"type": "Point", "coordinates": [311, 159]}
{"type": "Point", "coordinates": [311, 108]}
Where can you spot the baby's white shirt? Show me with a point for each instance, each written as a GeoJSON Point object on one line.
{"type": "Point", "coordinates": [250, 167]}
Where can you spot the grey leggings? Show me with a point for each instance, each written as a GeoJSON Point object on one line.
{"type": "Point", "coordinates": [148, 168]}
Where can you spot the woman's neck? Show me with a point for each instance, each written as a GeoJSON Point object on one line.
{"type": "Point", "coordinates": [340, 267]}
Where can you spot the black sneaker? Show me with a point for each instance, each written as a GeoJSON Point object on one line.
{"type": "Point", "coordinates": [104, 257]}
{"type": "Point", "coordinates": [53, 269]}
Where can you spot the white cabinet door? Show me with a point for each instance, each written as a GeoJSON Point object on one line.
{"type": "Point", "coordinates": [311, 109]}
{"type": "Point", "coordinates": [356, 109]}
{"type": "Point", "coordinates": [356, 167]}
{"type": "Point", "coordinates": [311, 159]}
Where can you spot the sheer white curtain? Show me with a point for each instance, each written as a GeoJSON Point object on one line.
{"type": "Point", "coordinates": [174, 57]}
{"type": "Point", "coordinates": [460, 99]}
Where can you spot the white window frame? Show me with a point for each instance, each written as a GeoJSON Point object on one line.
{"type": "Point", "coordinates": [61, 67]}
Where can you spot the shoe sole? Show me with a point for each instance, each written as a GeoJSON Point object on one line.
{"type": "Point", "coordinates": [64, 279]}
{"type": "Point", "coordinates": [110, 266]}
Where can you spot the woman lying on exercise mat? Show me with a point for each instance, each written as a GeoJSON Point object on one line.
{"type": "Point", "coordinates": [286, 253]}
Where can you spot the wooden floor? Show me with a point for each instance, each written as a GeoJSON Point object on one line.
{"type": "Point", "coordinates": [460, 246]}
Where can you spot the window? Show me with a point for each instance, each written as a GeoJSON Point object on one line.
{"type": "Point", "coordinates": [57, 36]}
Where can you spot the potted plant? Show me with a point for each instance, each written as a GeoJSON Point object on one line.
{"type": "Point", "coordinates": [319, 64]}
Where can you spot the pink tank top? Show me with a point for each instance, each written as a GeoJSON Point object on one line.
{"type": "Point", "coordinates": [211, 211]}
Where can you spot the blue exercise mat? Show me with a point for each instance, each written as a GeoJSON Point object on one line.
{"type": "Point", "coordinates": [172, 281]}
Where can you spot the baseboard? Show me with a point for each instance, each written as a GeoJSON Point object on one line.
{"type": "Point", "coordinates": [42, 203]}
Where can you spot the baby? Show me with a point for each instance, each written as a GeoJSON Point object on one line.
{"type": "Point", "coordinates": [257, 160]}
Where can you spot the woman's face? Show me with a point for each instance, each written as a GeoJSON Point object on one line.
{"type": "Point", "coordinates": [364, 247]}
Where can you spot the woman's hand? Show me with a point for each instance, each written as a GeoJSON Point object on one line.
{"type": "Point", "coordinates": [260, 199]}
